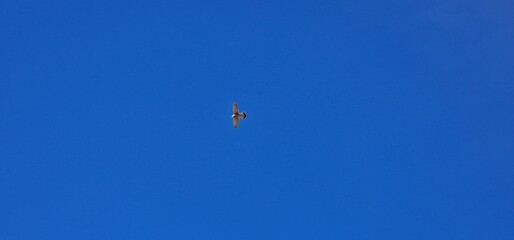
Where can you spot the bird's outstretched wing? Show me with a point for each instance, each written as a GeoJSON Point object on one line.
{"type": "Point", "coordinates": [236, 121]}
{"type": "Point", "coordinates": [235, 109]}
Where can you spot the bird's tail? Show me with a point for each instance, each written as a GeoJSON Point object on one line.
{"type": "Point", "coordinates": [244, 115]}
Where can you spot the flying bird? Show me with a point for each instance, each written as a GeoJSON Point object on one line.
{"type": "Point", "coordinates": [237, 115]}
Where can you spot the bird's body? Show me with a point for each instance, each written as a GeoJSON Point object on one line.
{"type": "Point", "coordinates": [237, 115]}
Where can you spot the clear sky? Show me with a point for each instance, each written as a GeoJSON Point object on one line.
{"type": "Point", "coordinates": [366, 119]}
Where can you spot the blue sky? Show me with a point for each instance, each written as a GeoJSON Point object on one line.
{"type": "Point", "coordinates": [366, 120]}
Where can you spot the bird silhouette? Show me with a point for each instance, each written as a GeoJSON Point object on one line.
{"type": "Point", "coordinates": [237, 115]}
